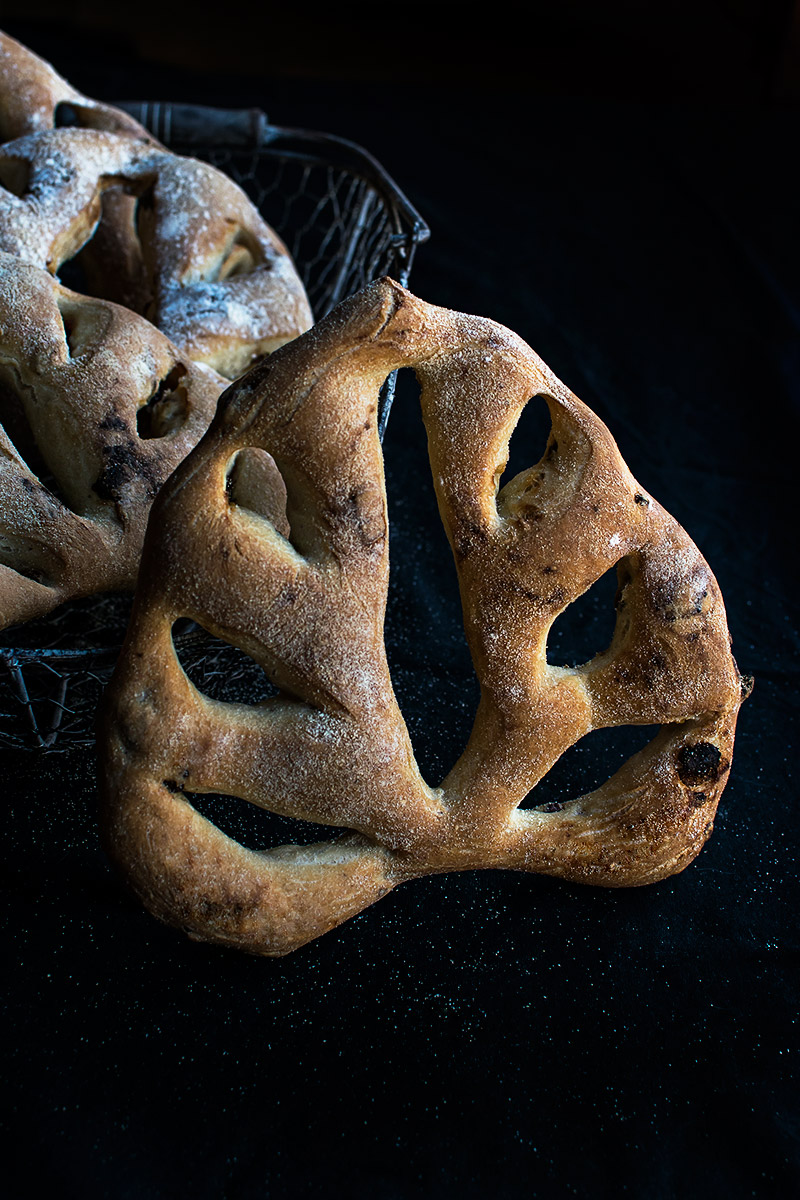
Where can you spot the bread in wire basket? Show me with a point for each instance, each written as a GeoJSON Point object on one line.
{"type": "Point", "coordinates": [98, 403]}
{"type": "Point", "coordinates": [303, 592]}
{"type": "Point", "coordinates": [98, 408]}
{"type": "Point", "coordinates": [170, 237]}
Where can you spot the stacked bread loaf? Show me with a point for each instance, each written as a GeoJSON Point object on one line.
{"type": "Point", "coordinates": [102, 393]}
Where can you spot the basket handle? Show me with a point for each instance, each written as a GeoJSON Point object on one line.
{"type": "Point", "coordinates": [196, 124]}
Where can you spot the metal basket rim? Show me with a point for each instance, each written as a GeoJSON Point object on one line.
{"type": "Point", "coordinates": [249, 130]}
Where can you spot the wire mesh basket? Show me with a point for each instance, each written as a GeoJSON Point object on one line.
{"type": "Point", "coordinates": [345, 223]}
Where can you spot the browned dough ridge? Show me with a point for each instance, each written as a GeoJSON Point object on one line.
{"type": "Point", "coordinates": [96, 406]}
{"type": "Point", "coordinates": [31, 92]}
{"type": "Point", "coordinates": [170, 237]}
{"type": "Point", "coordinates": [97, 410]}
{"type": "Point", "coordinates": [307, 601]}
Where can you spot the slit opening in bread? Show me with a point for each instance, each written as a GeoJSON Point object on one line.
{"type": "Point", "coordinates": [17, 425]}
{"type": "Point", "coordinates": [15, 175]}
{"type": "Point", "coordinates": [252, 482]}
{"type": "Point", "coordinates": [242, 255]}
{"type": "Point", "coordinates": [529, 442]}
{"type": "Point", "coordinates": [217, 669]}
{"type": "Point", "coordinates": [586, 626]}
{"type": "Point", "coordinates": [254, 827]}
{"type": "Point", "coordinates": [23, 556]}
{"type": "Point", "coordinates": [167, 409]}
{"type": "Point", "coordinates": [587, 765]}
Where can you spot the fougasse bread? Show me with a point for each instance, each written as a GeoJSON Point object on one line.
{"type": "Point", "coordinates": [303, 592]}
{"type": "Point", "coordinates": [34, 97]}
{"type": "Point", "coordinates": [170, 237]}
{"type": "Point", "coordinates": [99, 404]}
{"type": "Point", "coordinates": [97, 409]}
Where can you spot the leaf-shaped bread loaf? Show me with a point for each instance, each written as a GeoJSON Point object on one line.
{"type": "Point", "coordinates": [304, 594]}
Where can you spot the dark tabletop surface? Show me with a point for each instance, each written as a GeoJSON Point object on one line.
{"type": "Point", "coordinates": [479, 1034]}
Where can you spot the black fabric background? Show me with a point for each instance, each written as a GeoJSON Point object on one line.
{"type": "Point", "coordinates": [482, 1034]}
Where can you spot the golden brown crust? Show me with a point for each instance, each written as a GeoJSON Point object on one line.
{"type": "Point", "coordinates": [97, 409]}
{"type": "Point", "coordinates": [333, 746]}
{"type": "Point", "coordinates": [171, 237]}
{"type": "Point", "coordinates": [31, 92]}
